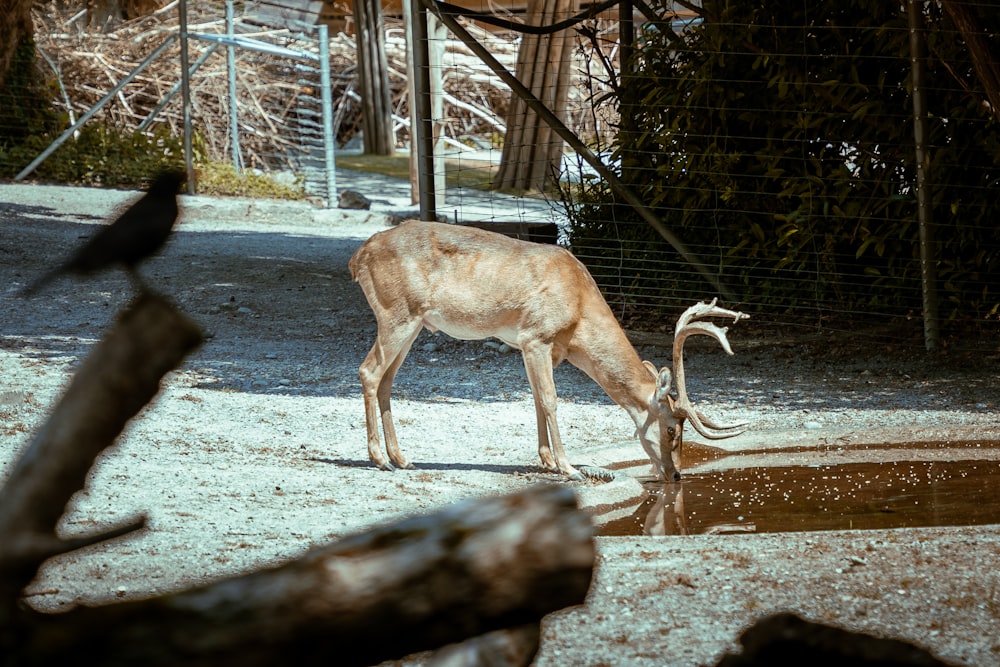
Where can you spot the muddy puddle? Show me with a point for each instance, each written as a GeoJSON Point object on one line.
{"type": "Point", "coordinates": [857, 496]}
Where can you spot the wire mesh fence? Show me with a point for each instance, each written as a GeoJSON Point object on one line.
{"type": "Point", "coordinates": [781, 147]}
{"type": "Point", "coordinates": [778, 146]}
{"type": "Point", "coordinates": [127, 84]}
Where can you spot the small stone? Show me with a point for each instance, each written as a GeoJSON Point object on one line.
{"type": "Point", "coordinates": [354, 200]}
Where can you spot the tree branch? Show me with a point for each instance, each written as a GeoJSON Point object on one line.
{"type": "Point", "coordinates": [469, 569]}
{"type": "Point", "coordinates": [116, 380]}
{"type": "Point", "coordinates": [977, 40]}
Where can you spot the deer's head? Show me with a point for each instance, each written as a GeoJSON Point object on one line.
{"type": "Point", "coordinates": [670, 407]}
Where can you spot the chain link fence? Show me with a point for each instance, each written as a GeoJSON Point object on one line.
{"type": "Point", "coordinates": [260, 97]}
{"type": "Point", "coordinates": [830, 166]}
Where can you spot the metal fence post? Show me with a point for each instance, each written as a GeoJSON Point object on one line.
{"type": "Point", "coordinates": [186, 96]}
{"type": "Point", "coordinates": [422, 125]}
{"type": "Point", "coordinates": [928, 256]}
{"type": "Point", "coordinates": [326, 99]}
{"type": "Point", "coordinates": [234, 128]}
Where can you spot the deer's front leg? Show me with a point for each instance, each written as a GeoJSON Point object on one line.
{"type": "Point", "coordinates": [538, 364]}
{"type": "Point", "coordinates": [544, 448]}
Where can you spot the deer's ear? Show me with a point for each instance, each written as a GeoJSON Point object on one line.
{"type": "Point", "coordinates": [664, 379]}
{"type": "Point", "coordinates": [650, 367]}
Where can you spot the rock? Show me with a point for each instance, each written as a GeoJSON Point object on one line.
{"type": "Point", "coordinates": [498, 346]}
{"type": "Point", "coordinates": [354, 200]}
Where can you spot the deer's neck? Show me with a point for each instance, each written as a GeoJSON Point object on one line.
{"type": "Point", "coordinates": [609, 359]}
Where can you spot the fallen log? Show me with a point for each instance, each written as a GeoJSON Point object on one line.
{"type": "Point", "coordinates": [421, 583]}
{"type": "Point", "coordinates": [414, 585]}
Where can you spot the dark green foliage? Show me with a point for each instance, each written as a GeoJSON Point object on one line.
{"type": "Point", "coordinates": [777, 142]}
{"type": "Point", "coordinates": [25, 108]}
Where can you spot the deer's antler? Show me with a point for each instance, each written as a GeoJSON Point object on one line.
{"type": "Point", "coordinates": [687, 326]}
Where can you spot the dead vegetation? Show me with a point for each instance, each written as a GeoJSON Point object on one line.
{"type": "Point", "coordinates": [272, 91]}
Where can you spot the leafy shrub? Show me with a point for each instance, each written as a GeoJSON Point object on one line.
{"type": "Point", "coordinates": [97, 156]}
{"type": "Point", "coordinates": [777, 142]}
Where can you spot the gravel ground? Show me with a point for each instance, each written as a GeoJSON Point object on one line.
{"type": "Point", "coordinates": [255, 450]}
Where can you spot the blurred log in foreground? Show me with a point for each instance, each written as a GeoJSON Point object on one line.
{"type": "Point", "coordinates": [469, 569]}
{"type": "Point", "coordinates": [120, 376]}
{"type": "Point", "coordinates": [414, 585]}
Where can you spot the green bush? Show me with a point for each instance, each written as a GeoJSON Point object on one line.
{"type": "Point", "coordinates": [102, 157]}
{"type": "Point", "coordinates": [97, 156]}
{"type": "Point", "coordinates": [223, 180]}
{"type": "Point", "coordinates": [777, 142]}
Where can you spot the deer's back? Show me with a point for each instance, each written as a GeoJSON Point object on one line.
{"type": "Point", "coordinates": [469, 282]}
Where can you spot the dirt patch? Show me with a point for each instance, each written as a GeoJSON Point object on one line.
{"type": "Point", "coordinates": [255, 450]}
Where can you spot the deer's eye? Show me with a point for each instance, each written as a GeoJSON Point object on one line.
{"type": "Point", "coordinates": [671, 431]}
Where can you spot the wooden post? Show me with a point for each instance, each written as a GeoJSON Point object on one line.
{"type": "Point", "coordinates": [425, 151]}
{"type": "Point", "coordinates": [421, 110]}
{"type": "Point", "coordinates": [373, 76]}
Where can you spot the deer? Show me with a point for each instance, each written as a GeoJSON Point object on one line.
{"type": "Point", "coordinates": [474, 284]}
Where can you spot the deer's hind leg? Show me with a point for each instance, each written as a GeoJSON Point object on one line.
{"type": "Point", "coordinates": [377, 373]}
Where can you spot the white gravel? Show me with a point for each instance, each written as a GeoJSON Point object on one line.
{"type": "Point", "coordinates": [256, 450]}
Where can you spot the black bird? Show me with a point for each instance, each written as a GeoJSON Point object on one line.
{"type": "Point", "coordinates": [135, 235]}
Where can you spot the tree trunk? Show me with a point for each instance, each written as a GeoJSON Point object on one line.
{"type": "Point", "coordinates": [18, 33]}
{"type": "Point", "coordinates": [373, 78]}
{"type": "Point", "coordinates": [532, 151]}
{"type": "Point", "coordinates": [978, 40]}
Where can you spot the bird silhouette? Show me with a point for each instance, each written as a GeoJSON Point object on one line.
{"type": "Point", "coordinates": [136, 234]}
